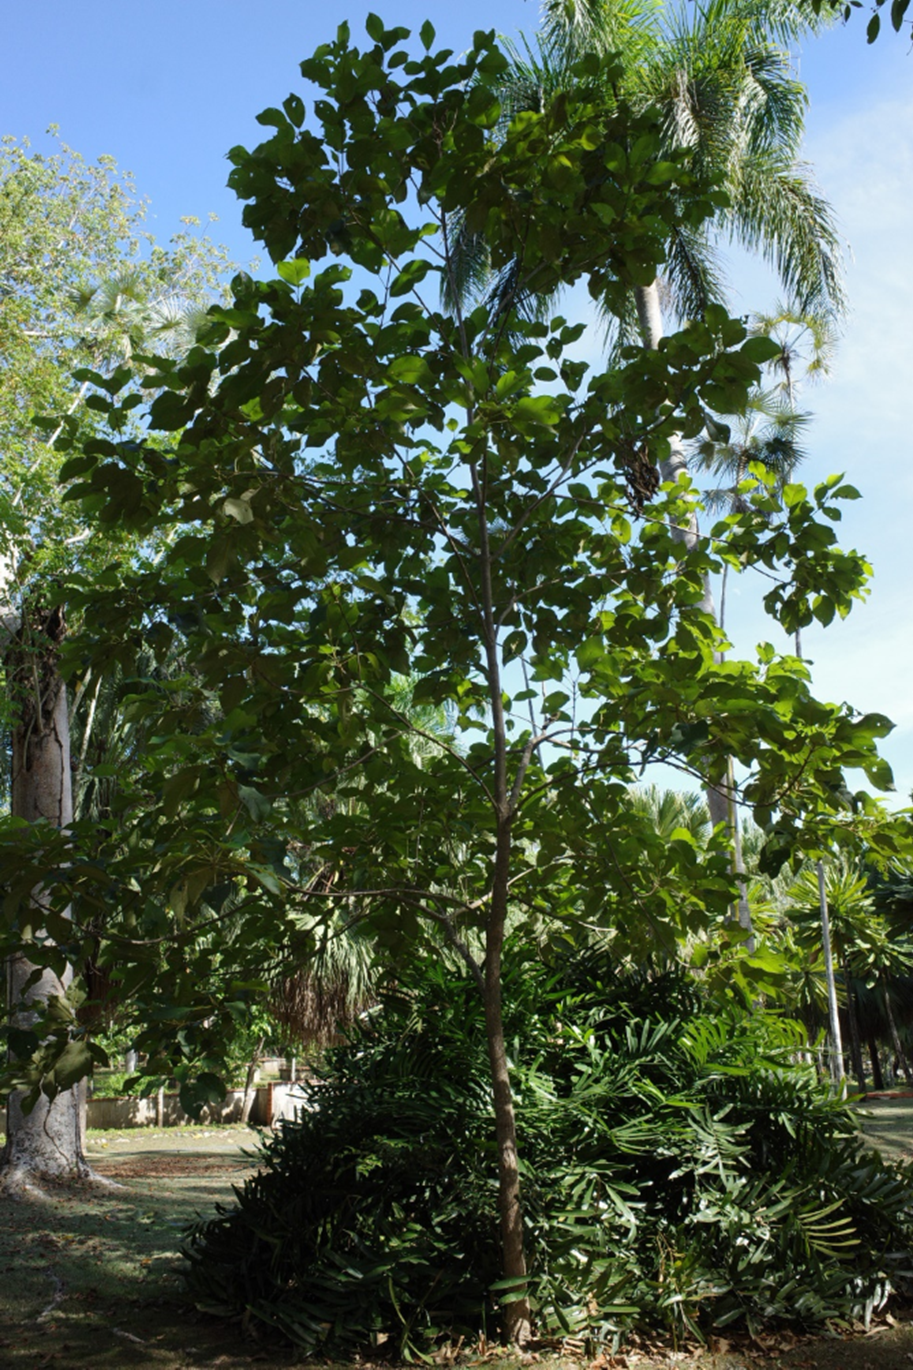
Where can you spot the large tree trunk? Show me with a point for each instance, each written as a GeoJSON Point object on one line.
{"type": "Point", "coordinates": [720, 798]}
{"type": "Point", "coordinates": [47, 1141]}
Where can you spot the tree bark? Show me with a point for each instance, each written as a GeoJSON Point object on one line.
{"type": "Point", "coordinates": [837, 1070]}
{"type": "Point", "coordinates": [517, 1317]}
{"type": "Point", "coordinates": [517, 1312]}
{"type": "Point", "coordinates": [47, 1141]}
{"type": "Point", "coordinates": [877, 1077]}
{"type": "Point", "coordinates": [250, 1091]}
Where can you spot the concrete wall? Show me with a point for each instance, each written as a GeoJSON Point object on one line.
{"type": "Point", "coordinates": [272, 1102]}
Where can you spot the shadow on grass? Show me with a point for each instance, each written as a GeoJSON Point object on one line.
{"type": "Point", "coordinates": [89, 1275]}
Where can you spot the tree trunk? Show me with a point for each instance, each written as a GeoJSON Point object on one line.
{"type": "Point", "coordinates": [877, 1077]}
{"type": "Point", "coordinates": [720, 799]}
{"type": "Point", "coordinates": [517, 1320]}
{"type": "Point", "coordinates": [853, 1024]}
{"type": "Point", "coordinates": [901, 1056]}
{"type": "Point", "coordinates": [517, 1312]}
{"type": "Point", "coordinates": [250, 1092]}
{"type": "Point", "coordinates": [837, 1070]}
{"type": "Point", "coordinates": [48, 1140]}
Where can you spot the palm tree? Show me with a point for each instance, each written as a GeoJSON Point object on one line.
{"type": "Point", "coordinates": [869, 957]}
{"type": "Point", "coordinates": [769, 432]}
{"type": "Point", "coordinates": [722, 80]}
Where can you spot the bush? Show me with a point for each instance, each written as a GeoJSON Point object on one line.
{"type": "Point", "coordinates": [679, 1170]}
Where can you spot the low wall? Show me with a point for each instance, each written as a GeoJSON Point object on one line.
{"type": "Point", "coordinates": [272, 1102]}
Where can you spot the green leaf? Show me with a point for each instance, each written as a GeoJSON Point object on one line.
{"type": "Point", "coordinates": [426, 34]}
{"type": "Point", "coordinates": [73, 1064]}
{"type": "Point", "coordinates": [412, 273]}
{"type": "Point", "coordinates": [760, 350]}
{"type": "Point", "coordinates": [294, 271]}
{"type": "Point", "coordinates": [257, 804]}
{"type": "Point", "coordinates": [294, 108]}
{"type": "Point", "coordinates": [375, 28]}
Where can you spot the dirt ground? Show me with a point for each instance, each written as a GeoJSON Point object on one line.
{"type": "Point", "coordinates": [89, 1277]}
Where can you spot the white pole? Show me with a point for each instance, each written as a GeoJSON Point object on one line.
{"type": "Point", "coordinates": [837, 1070]}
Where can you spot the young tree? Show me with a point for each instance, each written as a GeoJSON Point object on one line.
{"type": "Point", "coordinates": [362, 486]}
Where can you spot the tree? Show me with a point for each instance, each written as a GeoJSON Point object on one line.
{"type": "Point", "coordinates": [70, 261]}
{"type": "Point", "coordinates": [726, 93]}
{"type": "Point", "coordinates": [361, 487]}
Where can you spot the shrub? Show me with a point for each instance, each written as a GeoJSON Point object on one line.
{"type": "Point", "coordinates": [679, 1169]}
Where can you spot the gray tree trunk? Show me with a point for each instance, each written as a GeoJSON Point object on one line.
{"type": "Point", "coordinates": [48, 1140]}
{"type": "Point", "coordinates": [250, 1088]}
{"type": "Point", "coordinates": [720, 799]}
{"type": "Point", "coordinates": [837, 1066]}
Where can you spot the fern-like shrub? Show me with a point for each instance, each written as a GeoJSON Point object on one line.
{"type": "Point", "coordinates": [679, 1170]}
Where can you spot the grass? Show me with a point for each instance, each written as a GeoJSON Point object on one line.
{"type": "Point", "coordinates": [90, 1276]}
{"type": "Point", "coordinates": [889, 1125]}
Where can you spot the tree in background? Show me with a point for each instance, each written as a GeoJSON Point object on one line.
{"type": "Point", "coordinates": [82, 283]}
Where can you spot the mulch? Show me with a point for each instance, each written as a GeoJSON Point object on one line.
{"type": "Point", "coordinates": [167, 1167]}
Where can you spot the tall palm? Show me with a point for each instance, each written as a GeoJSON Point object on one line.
{"type": "Point", "coordinates": [769, 433]}
{"type": "Point", "coordinates": [722, 79]}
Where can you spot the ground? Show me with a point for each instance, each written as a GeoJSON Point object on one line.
{"type": "Point", "coordinates": [89, 1278]}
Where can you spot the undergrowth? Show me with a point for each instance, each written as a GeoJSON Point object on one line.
{"type": "Point", "coordinates": [680, 1170]}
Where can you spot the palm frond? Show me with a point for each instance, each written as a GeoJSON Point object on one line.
{"type": "Point", "coordinates": [604, 26]}
{"type": "Point", "coordinates": [693, 273]}
{"type": "Point", "coordinates": [778, 212]}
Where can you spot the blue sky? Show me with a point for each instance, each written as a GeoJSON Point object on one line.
{"type": "Point", "coordinates": [168, 89]}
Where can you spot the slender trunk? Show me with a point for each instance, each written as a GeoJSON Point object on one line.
{"type": "Point", "coordinates": [48, 1139]}
{"type": "Point", "coordinates": [516, 1312]}
{"type": "Point", "coordinates": [837, 1068]}
{"type": "Point", "coordinates": [249, 1087]}
{"type": "Point", "coordinates": [853, 1025]}
{"type": "Point", "coordinates": [517, 1319]}
{"type": "Point", "coordinates": [901, 1056]}
{"type": "Point", "coordinates": [877, 1077]}
{"type": "Point", "coordinates": [720, 799]}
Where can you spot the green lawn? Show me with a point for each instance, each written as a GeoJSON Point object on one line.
{"type": "Point", "coordinates": [888, 1123]}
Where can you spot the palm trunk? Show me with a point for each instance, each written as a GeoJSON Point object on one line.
{"type": "Point", "coordinates": [720, 799]}
{"type": "Point", "coordinates": [47, 1141]}
{"type": "Point", "coordinates": [837, 1070]}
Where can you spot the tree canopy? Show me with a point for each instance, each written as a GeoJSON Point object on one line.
{"type": "Point", "coordinates": [347, 487]}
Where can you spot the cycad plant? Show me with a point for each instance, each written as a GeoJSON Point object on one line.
{"type": "Point", "coordinates": [681, 1172]}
